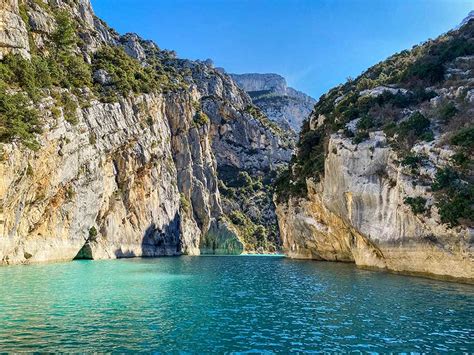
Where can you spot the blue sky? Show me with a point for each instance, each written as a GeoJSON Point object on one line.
{"type": "Point", "coordinates": [315, 44]}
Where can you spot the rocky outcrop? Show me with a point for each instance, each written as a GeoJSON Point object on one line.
{"type": "Point", "coordinates": [357, 214]}
{"type": "Point", "coordinates": [108, 182]}
{"type": "Point", "coordinates": [259, 82]}
{"type": "Point", "coordinates": [282, 104]}
{"type": "Point", "coordinates": [13, 32]}
{"type": "Point", "coordinates": [468, 18]}
{"type": "Point", "coordinates": [134, 178]}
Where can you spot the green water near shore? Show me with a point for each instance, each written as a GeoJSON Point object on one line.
{"type": "Point", "coordinates": [229, 304]}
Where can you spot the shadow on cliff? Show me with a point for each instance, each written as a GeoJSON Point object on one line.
{"type": "Point", "coordinates": [162, 241]}
{"type": "Point", "coordinates": [155, 242]}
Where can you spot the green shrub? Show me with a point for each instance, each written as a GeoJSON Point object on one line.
{"type": "Point", "coordinates": [455, 197]}
{"type": "Point", "coordinates": [464, 138]}
{"type": "Point", "coordinates": [17, 119]}
{"type": "Point", "coordinates": [237, 218]}
{"type": "Point", "coordinates": [412, 160]}
{"type": "Point", "coordinates": [127, 75]}
{"type": "Point", "coordinates": [447, 112]}
{"type": "Point", "coordinates": [461, 160]}
{"type": "Point", "coordinates": [457, 206]}
{"type": "Point", "coordinates": [92, 233]}
{"type": "Point", "coordinates": [185, 204]}
{"type": "Point", "coordinates": [360, 136]}
{"type": "Point", "coordinates": [287, 185]}
{"type": "Point", "coordinates": [64, 37]}
{"type": "Point", "coordinates": [429, 68]}
{"type": "Point", "coordinates": [417, 204]}
{"type": "Point", "coordinates": [92, 138]}
{"type": "Point", "coordinates": [390, 129]}
{"type": "Point", "coordinates": [29, 170]}
{"type": "Point", "coordinates": [20, 73]}
{"type": "Point", "coordinates": [253, 235]}
{"type": "Point", "coordinates": [149, 121]}
{"type": "Point", "coordinates": [69, 193]}
{"type": "Point", "coordinates": [200, 119]}
{"type": "Point", "coordinates": [416, 123]}
{"type": "Point", "coordinates": [365, 123]}
{"type": "Point", "coordinates": [70, 108]}
{"type": "Point", "coordinates": [76, 72]}
{"type": "Point", "coordinates": [415, 128]}
{"type": "Point", "coordinates": [445, 178]}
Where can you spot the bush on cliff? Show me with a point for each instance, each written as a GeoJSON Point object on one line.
{"type": "Point", "coordinates": [455, 194]}
{"type": "Point", "coordinates": [126, 74]}
{"type": "Point", "coordinates": [417, 204]}
{"type": "Point", "coordinates": [17, 119]}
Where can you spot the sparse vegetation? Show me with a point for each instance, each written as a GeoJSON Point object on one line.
{"type": "Point", "coordinates": [455, 197]}
{"type": "Point", "coordinates": [248, 200]}
{"type": "Point", "coordinates": [200, 119]}
{"type": "Point", "coordinates": [264, 120]}
{"type": "Point", "coordinates": [18, 121]}
{"type": "Point", "coordinates": [92, 233]}
{"type": "Point", "coordinates": [417, 204]}
{"type": "Point", "coordinates": [447, 112]}
{"type": "Point", "coordinates": [184, 202]}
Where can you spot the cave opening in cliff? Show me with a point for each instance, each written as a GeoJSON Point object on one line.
{"type": "Point", "coordinates": [85, 253]}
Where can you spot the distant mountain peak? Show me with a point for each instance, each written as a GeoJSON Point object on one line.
{"type": "Point", "coordinates": [468, 18]}
{"type": "Point", "coordinates": [281, 103]}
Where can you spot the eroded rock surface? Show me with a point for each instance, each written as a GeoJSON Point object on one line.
{"type": "Point", "coordinates": [13, 32]}
{"type": "Point", "coordinates": [357, 214]}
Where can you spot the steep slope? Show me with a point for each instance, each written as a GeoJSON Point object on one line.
{"type": "Point", "coordinates": [110, 146]}
{"type": "Point", "coordinates": [282, 104]}
{"type": "Point", "coordinates": [383, 176]}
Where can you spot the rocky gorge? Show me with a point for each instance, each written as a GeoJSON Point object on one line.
{"type": "Point", "coordinates": [112, 147]}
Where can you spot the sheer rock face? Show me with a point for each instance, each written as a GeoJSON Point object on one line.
{"type": "Point", "coordinates": [357, 214]}
{"type": "Point", "coordinates": [133, 178]}
{"type": "Point", "coordinates": [239, 139]}
{"type": "Point", "coordinates": [282, 104]}
{"type": "Point", "coordinates": [112, 173]}
{"type": "Point", "coordinates": [13, 32]}
{"type": "Point", "coordinates": [240, 142]}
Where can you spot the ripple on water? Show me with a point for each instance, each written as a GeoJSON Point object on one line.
{"type": "Point", "coordinates": [234, 304]}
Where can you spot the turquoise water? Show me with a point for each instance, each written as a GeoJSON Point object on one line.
{"type": "Point", "coordinates": [228, 304]}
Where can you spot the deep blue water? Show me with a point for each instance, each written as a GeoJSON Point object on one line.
{"type": "Point", "coordinates": [229, 304]}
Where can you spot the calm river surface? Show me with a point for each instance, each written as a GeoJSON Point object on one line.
{"type": "Point", "coordinates": [229, 304]}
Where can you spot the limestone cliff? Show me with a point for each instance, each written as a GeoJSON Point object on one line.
{"type": "Point", "coordinates": [249, 150]}
{"type": "Point", "coordinates": [383, 172]}
{"type": "Point", "coordinates": [110, 146]}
